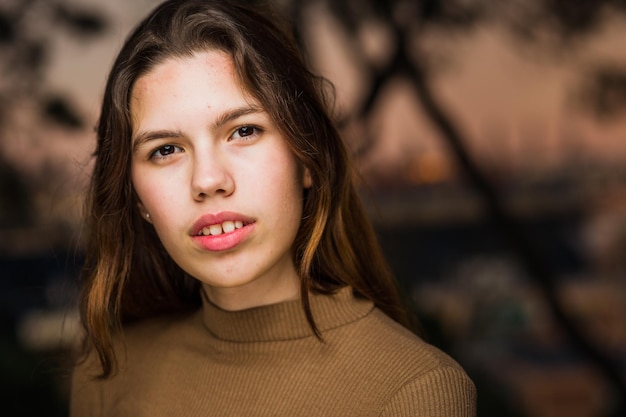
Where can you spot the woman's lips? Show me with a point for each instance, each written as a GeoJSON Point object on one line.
{"type": "Point", "coordinates": [221, 231]}
{"type": "Point", "coordinates": [217, 229]}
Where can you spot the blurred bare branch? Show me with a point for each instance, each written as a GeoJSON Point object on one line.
{"type": "Point", "coordinates": [409, 20]}
{"type": "Point", "coordinates": [62, 112]}
{"type": "Point", "coordinates": [84, 23]}
{"type": "Point", "coordinates": [28, 32]}
{"type": "Point", "coordinates": [26, 51]}
{"type": "Point", "coordinates": [604, 92]}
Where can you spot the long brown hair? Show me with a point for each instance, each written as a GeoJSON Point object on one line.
{"type": "Point", "coordinates": [128, 274]}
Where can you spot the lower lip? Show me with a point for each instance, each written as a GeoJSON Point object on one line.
{"type": "Point", "coordinates": [225, 241]}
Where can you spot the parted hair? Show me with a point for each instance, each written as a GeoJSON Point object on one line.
{"type": "Point", "coordinates": [128, 275]}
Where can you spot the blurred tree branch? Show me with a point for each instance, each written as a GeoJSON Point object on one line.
{"type": "Point", "coordinates": [27, 32]}
{"type": "Point", "coordinates": [27, 54]}
{"type": "Point", "coordinates": [409, 20]}
{"type": "Point", "coordinates": [604, 92]}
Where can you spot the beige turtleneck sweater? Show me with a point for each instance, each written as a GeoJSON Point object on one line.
{"type": "Point", "coordinates": [266, 362]}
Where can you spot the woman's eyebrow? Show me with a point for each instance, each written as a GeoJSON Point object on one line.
{"type": "Point", "coordinates": [149, 135]}
{"type": "Point", "coordinates": [221, 120]}
{"type": "Point", "coordinates": [233, 114]}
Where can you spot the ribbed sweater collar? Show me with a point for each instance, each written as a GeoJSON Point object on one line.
{"type": "Point", "coordinates": [286, 320]}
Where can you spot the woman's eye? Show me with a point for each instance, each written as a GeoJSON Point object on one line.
{"type": "Point", "coordinates": [164, 151]}
{"type": "Point", "coordinates": [245, 131]}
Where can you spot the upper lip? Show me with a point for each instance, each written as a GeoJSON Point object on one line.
{"type": "Point", "coordinates": [217, 218]}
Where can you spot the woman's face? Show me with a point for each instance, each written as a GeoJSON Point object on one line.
{"type": "Point", "coordinates": [218, 181]}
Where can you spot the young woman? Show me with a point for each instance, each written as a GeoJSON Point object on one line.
{"type": "Point", "coordinates": [231, 268]}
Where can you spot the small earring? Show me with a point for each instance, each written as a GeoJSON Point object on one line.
{"type": "Point", "coordinates": [147, 215]}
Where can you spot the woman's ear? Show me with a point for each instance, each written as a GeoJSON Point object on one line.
{"type": "Point", "coordinates": [307, 180]}
{"type": "Point", "coordinates": [144, 212]}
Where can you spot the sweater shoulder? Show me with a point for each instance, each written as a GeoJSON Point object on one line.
{"type": "Point", "coordinates": [405, 374]}
{"type": "Point", "coordinates": [156, 334]}
{"type": "Point", "coordinates": [390, 348]}
{"type": "Point", "coordinates": [138, 338]}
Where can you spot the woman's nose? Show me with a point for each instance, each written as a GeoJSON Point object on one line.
{"type": "Point", "coordinates": [211, 177]}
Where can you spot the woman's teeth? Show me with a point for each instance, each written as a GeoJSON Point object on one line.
{"type": "Point", "coordinates": [218, 229]}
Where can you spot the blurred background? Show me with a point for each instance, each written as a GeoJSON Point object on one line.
{"type": "Point", "coordinates": [490, 141]}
